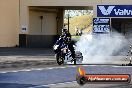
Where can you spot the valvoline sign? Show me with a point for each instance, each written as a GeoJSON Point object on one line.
{"type": "Point", "coordinates": [101, 25]}
{"type": "Point", "coordinates": [114, 10]}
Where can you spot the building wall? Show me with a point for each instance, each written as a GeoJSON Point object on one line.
{"type": "Point", "coordinates": [42, 26]}
{"type": "Point", "coordinates": [34, 40]}
{"type": "Point", "coordinates": [24, 6]}
{"type": "Point", "coordinates": [9, 23]}
{"type": "Point", "coordinates": [117, 2]}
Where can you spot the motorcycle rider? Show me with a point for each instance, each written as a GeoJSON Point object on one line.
{"type": "Point", "coordinates": [66, 39]}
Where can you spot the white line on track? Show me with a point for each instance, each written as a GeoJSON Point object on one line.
{"type": "Point", "coordinates": [57, 67]}
{"type": "Point", "coordinates": [39, 86]}
{"type": "Point", "coordinates": [123, 66]}
{"type": "Point", "coordinates": [37, 69]}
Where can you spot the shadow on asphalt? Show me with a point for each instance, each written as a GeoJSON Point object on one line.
{"type": "Point", "coordinates": [15, 85]}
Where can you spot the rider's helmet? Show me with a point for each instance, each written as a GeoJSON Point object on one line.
{"type": "Point", "coordinates": [64, 31]}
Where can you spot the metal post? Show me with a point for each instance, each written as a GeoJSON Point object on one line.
{"type": "Point", "coordinates": [68, 22]}
{"type": "Point", "coordinates": [41, 17]}
{"type": "Point", "coordinates": [41, 36]}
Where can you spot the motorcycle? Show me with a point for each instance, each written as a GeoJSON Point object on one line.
{"type": "Point", "coordinates": [64, 55]}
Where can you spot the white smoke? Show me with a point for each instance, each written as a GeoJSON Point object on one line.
{"type": "Point", "coordinates": [96, 47]}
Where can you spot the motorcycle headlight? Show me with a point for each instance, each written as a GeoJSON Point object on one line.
{"type": "Point", "coordinates": [56, 47]}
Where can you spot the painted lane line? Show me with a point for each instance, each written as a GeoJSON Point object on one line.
{"type": "Point", "coordinates": [62, 83]}
{"type": "Point", "coordinates": [123, 66]}
{"type": "Point", "coordinates": [52, 84]}
{"type": "Point", "coordinates": [36, 69]}
{"type": "Point", "coordinates": [50, 68]}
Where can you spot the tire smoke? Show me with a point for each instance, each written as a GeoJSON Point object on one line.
{"type": "Point", "coordinates": [96, 47]}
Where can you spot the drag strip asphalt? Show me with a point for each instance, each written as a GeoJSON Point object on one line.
{"type": "Point", "coordinates": [54, 75]}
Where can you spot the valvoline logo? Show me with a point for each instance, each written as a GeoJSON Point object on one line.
{"type": "Point", "coordinates": [114, 10]}
{"type": "Point", "coordinates": [105, 11]}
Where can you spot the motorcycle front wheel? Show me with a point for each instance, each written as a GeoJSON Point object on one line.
{"type": "Point", "coordinates": [59, 59]}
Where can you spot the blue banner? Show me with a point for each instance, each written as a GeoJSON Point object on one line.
{"type": "Point", "coordinates": [101, 25]}
{"type": "Point", "coordinates": [114, 10]}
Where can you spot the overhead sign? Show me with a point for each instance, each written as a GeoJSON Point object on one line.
{"type": "Point", "coordinates": [114, 10]}
{"type": "Point", "coordinates": [101, 25]}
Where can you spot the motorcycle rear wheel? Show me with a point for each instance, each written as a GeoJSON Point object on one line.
{"type": "Point", "coordinates": [59, 59]}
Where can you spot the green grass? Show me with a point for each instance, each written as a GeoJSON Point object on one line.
{"type": "Point", "coordinates": [75, 38]}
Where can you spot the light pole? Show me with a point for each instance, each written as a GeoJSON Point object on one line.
{"type": "Point", "coordinates": [41, 30]}
{"type": "Point", "coordinates": [68, 22]}
{"type": "Point", "coordinates": [41, 18]}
